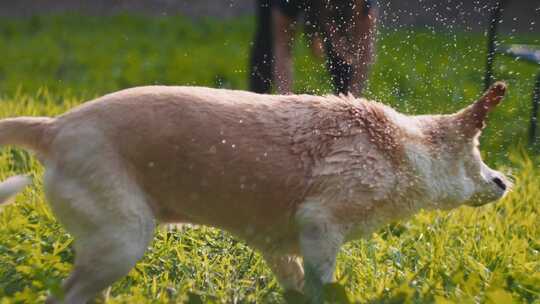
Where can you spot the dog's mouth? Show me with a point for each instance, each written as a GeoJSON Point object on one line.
{"type": "Point", "coordinates": [477, 204]}
{"type": "Point", "coordinates": [480, 200]}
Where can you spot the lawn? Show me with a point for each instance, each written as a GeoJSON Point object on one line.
{"type": "Point", "coordinates": [489, 254]}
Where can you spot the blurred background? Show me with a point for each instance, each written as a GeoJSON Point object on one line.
{"type": "Point", "coordinates": [430, 55]}
{"type": "Point", "coordinates": [471, 15]}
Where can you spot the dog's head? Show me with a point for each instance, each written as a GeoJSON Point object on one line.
{"type": "Point", "coordinates": [463, 178]}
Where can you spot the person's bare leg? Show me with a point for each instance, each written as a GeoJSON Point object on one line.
{"type": "Point", "coordinates": [316, 46]}
{"type": "Point", "coordinates": [349, 59]}
{"type": "Point", "coordinates": [367, 30]}
{"type": "Point", "coordinates": [283, 28]}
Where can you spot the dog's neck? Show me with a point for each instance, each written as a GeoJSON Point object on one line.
{"type": "Point", "coordinates": [386, 166]}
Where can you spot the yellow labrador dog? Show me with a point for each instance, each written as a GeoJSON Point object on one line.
{"type": "Point", "coordinates": [293, 175]}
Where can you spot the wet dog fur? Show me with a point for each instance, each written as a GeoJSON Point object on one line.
{"type": "Point", "coordinates": [295, 176]}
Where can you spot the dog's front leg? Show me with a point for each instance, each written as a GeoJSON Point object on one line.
{"type": "Point", "coordinates": [320, 240]}
{"type": "Point", "coordinates": [288, 271]}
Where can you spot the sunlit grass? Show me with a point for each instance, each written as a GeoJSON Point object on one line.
{"type": "Point", "coordinates": [490, 254]}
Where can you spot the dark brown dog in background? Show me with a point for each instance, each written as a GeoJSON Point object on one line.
{"type": "Point", "coordinates": [345, 29]}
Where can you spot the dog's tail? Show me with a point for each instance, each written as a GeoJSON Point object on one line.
{"type": "Point", "coordinates": [26, 132]}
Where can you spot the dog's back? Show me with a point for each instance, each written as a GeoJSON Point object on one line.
{"type": "Point", "coordinates": [225, 158]}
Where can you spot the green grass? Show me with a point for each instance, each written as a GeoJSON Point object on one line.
{"type": "Point", "coordinates": [490, 254]}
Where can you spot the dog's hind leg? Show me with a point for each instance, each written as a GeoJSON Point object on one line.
{"type": "Point", "coordinates": [111, 224]}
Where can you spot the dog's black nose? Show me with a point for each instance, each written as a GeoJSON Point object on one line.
{"type": "Point", "coordinates": [499, 183]}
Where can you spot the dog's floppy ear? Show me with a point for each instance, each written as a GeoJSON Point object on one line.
{"type": "Point", "coordinates": [471, 120]}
